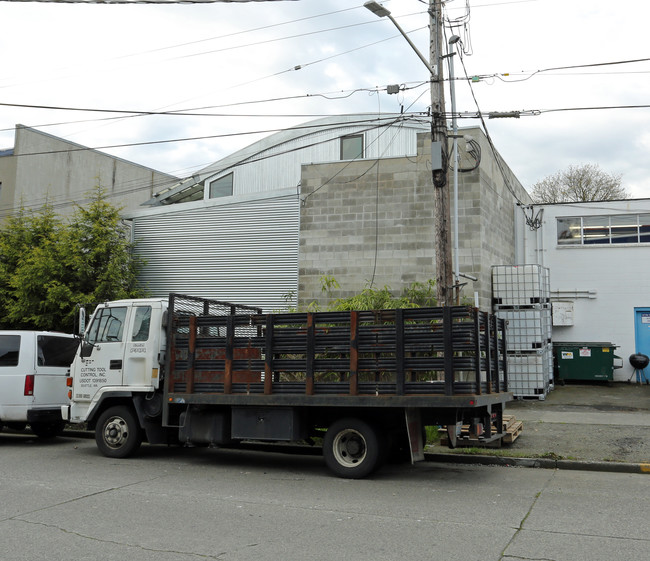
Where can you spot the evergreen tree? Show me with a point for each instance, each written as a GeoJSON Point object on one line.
{"type": "Point", "coordinates": [48, 267]}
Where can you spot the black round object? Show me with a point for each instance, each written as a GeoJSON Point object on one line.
{"type": "Point", "coordinates": [639, 361]}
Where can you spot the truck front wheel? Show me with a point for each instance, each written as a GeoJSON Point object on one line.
{"type": "Point", "coordinates": [118, 433]}
{"type": "Point", "coordinates": [352, 448]}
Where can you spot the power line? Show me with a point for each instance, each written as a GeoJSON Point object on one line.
{"type": "Point", "coordinates": [192, 113]}
{"type": "Point", "coordinates": [556, 68]}
{"type": "Point", "coordinates": [496, 155]}
{"type": "Point", "coordinates": [170, 2]}
{"type": "Point", "coordinates": [189, 112]}
{"type": "Point", "coordinates": [228, 35]}
{"type": "Point", "coordinates": [235, 33]}
{"type": "Point", "coordinates": [595, 108]}
{"type": "Point", "coordinates": [207, 137]}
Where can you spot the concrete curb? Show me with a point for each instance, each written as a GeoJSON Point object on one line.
{"type": "Point", "coordinates": [544, 463]}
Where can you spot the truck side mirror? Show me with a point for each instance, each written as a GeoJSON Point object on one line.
{"type": "Point", "coordinates": [86, 349]}
{"type": "Point", "coordinates": [82, 320]}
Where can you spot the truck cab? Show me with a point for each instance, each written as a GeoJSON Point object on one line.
{"type": "Point", "coordinates": [121, 354]}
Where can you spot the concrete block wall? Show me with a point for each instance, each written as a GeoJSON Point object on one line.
{"type": "Point", "coordinates": [44, 168]}
{"type": "Point", "coordinates": [372, 221]}
{"type": "Point", "coordinates": [364, 222]}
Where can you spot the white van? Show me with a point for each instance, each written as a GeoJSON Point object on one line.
{"type": "Point", "coordinates": [34, 366]}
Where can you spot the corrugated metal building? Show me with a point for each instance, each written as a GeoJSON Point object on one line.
{"type": "Point", "coordinates": [242, 250]}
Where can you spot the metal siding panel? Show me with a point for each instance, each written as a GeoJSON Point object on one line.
{"type": "Point", "coordinates": [279, 167]}
{"type": "Point", "coordinates": [245, 253]}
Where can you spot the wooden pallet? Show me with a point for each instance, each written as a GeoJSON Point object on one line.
{"type": "Point", "coordinates": [511, 426]}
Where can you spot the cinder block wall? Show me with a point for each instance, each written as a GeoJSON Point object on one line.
{"type": "Point", "coordinates": [372, 222]}
{"type": "Point", "coordinates": [365, 222]}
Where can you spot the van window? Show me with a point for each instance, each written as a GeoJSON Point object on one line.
{"type": "Point", "coordinates": [107, 326]}
{"type": "Point", "coordinates": [9, 350]}
{"type": "Point", "coordinates": [141, 324]}
{"type": "Point", "coordinates": [56, 351]}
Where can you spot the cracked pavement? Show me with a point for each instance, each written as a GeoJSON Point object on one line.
{"type": "Point", "coordinates": [63, 500]}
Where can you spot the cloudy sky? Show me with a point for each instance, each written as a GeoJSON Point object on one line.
{"type": "Point", "coordinates": [234, 66]}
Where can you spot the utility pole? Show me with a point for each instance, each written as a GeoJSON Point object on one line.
{"type": "Point", "coordinates": [439, 152]}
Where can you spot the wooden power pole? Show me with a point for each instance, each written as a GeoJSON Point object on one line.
{"type": "Point", "coordinates": [439, 157]}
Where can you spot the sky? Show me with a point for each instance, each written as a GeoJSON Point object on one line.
{"type": "Point", "coordinates": [246, 70]}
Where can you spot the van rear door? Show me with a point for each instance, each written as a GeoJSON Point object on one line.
{"type": "Point", "coordinates": [53, 357]}
{"type": "Point", "coordinates": [13, 400]}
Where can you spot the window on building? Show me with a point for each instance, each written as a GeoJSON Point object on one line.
{"type": "Point", "coordinates": [352, 147]}
{"type": "Point", "coordinates": [644, 228]}
{"type": "Point", "coordinates": [569, 231]}
{"type": "Point", "coordinates": [221, 187]}
{"type": "Point", "coordinates": [595, 230]}
{"type": "Point", "coordinates": [604, 230]}
{"type": "Point", "coordinates": [625, 229]}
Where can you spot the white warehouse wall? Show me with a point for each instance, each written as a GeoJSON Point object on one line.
{"type": "Point", "coordinates": [603, 283]}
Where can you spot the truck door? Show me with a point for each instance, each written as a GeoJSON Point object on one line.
{"type": "Point", "coordinates": [104, 366]}
{"type": "Point", "coordinates": [143, 346]}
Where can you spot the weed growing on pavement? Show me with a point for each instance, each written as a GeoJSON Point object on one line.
{"type": "Point", "coordinates": [479, 451]}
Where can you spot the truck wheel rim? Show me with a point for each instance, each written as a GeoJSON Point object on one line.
{"type": "Point", "coordinates": [349, 448]}
{"type": "Point", "coordinates": [116, 431]}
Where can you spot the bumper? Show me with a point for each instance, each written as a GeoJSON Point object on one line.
{"type": "Point", "coordinates": [43, 415]}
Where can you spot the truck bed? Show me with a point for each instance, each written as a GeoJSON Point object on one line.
{"type": "Point", "coordinates": [421, 357]}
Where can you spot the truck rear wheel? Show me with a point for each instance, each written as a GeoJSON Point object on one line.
{"type": "Point", "coordinates": [352, 448]}
{"type": "Point", "coordinates": [118, 433]}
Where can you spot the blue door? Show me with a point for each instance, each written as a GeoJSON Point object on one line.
{"type": "Point", "coordinates": [642, 333]}
{"type": "Point", "coordinates": [642, 330]}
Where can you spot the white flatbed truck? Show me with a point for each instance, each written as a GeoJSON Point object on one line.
{"type": "Point", "coordinates": [188, 370]}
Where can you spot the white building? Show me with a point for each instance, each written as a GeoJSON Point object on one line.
{"type": "Point", "coordinates": [598, 254]}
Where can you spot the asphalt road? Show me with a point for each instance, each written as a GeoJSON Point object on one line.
{"type": "Point", "coordinates": [63, 501]}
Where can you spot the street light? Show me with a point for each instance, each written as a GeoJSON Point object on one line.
{"type": "Point", "coordinates": [381, 12]}
{"type": "Point", "coordinates": [377, 9]}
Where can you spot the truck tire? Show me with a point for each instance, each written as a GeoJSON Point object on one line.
{"type": "Point", "coordinates": [118, 433]}
{"type": "Point", "coordinates": [352, 448]}
{"type": "Point", "coordinates": [48, 430]}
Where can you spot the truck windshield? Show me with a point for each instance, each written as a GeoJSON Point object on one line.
{"type": "Point", "coordinates": [107, 326]}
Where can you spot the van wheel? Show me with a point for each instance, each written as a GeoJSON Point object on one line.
{"type": "Point", "coordinates": [118, 433]}
{"type": "Point", "coordinates": [352, 448]}
{"type": "Point", "coordinates": [48, 430]}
